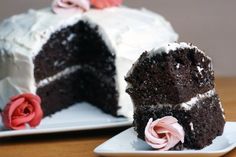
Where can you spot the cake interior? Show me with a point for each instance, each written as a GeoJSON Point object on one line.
{"type": "Point", "coordinates": [76, 65]}
{"type": "Point", "coordinates": [177, 76]}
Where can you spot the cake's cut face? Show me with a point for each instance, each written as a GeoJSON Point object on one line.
{"type": "Point", "coordinates": [177, 80]}
{"type": "Point", "coordinates": [69, 58]}
{"type": "Point", "coordinates": [172, 77]}
{"type": "Point", "coordinates": [80, 66]}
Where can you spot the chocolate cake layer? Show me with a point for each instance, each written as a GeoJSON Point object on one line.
{"type": "Point", "coordinates": [77, 44]}
{"type": "Point", "coordinates": [201, 123]}
{"type": "Point", "coordinates": [77, 87]}
{"type": "Point", "coordinates": [171, 77]}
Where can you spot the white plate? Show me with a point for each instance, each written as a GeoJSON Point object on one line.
{"type": "Point", "coordinates": [81, 116]}
{"type": "Point", "coordinates": [127, 144]}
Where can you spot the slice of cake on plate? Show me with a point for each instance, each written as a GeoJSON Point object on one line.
{"type": "Point", "coordinates": [176, 105]}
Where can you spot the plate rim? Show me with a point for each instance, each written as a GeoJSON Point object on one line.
{"type": "Point", "coordinates": [54, 124]}
{"type": "Point", "coordinates": [37, 131]}
{"type": "Point", "coordinates": [97, 150]}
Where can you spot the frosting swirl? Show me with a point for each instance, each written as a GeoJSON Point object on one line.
{"type": "Point", "coordinates": [70, 6]}
{"type": "Point", "coordinates": [21, 110]}
{"type": "Point", "coordinates": [164, 133]}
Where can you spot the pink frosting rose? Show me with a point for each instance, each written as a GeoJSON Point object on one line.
{"type": "Point", "coordinates": [21, 110]}
{"type": "Point", "coordinates": [100, 4]}
{"type": "Point", "coordinates": [70, 6]}
{"type": "Point", "coordinates": [164, 133]}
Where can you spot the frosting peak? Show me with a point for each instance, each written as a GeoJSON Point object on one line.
{"type": "Point", "coordinates": [164, 133]}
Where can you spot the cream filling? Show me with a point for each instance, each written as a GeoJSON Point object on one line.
{"type": "Point", "coordinates": [67, 72]}
{"type": "Point", "coordinates": [191, 126]}
{"type": "Point", "coordinates": [58, 76]}
{"type": "Point", "coordinates": [189, 104]}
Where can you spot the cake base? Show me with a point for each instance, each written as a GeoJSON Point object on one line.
{"type": "Point", "coordinates": [202, 123]}
{"type": "Point", "coordinates": [77, 87]}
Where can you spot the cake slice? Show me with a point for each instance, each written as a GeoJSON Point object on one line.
{"type": "Point", "coordinates": [177, 80]}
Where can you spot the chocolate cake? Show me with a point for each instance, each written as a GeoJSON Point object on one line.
{"type": "Point", "coordinates": [177, 80]}
{"type": "Point", "coordinates": [88, 65]}
{"type": "Point", "coordinates": [67, 59]}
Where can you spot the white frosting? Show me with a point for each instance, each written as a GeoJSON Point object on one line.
{"type": "Point", "coordinates": [64, 73]}
{"type": "Point", "coordinates": [191, 126]}
{"type": "Point", "coordinates": [200, 69]}
{"type": "Point", "coordinates": [189, 104]}
{"type": "Point", "coordinates": [178, 65]}
{"type": "Point", "coordinates": [167, 47]}
{"type": "Point", "coordinates": [57, 76]}
{"type": "Point", "coordinates": [127, 32]}
{"type": "Point", "coordinates": [222, 109]}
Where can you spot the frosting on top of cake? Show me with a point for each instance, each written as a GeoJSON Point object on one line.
{"type": "Point", "coordinates": [127, 33]}
{"type": "Point", "coordinates": [126, 28]}
{"type": "Point", "coordinates": [167, 47]}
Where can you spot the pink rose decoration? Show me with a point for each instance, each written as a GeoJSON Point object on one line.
{"type": "Point", "coordinates": [100, 4]}
{"type": "Point", "coordinates": [70, 6]}
{"type": "Point", "coordinates": [164, 133]}
{"type": "Point", "coordinates": [21, 110]}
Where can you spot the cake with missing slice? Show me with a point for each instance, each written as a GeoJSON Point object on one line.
{"type": "Point", "coordinates": [67, 58]}
{"type": "Point", "coordinates": [172, 88]}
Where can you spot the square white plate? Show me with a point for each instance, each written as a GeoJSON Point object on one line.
{"type": "Point", "coordinates": [81, 116]}
{"type": "Point", "coordinates": [127, 144]}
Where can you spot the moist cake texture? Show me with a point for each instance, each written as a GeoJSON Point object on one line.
{"type": "Point", "coordinates": [81, 57]}
{"type": "Point", "coordinates": [177, 80]}
{"type": "Point", "coordinates": [88, 68]}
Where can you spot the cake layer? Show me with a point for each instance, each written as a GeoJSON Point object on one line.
{"type": "Point", "coordinates": [201, 123]}
{"type": "Point", "coordinates": [78, 44]}
{"type": "Point", "coordinates": [170, 75]}
{"type": "Point", "coordinates": [77, 87]}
